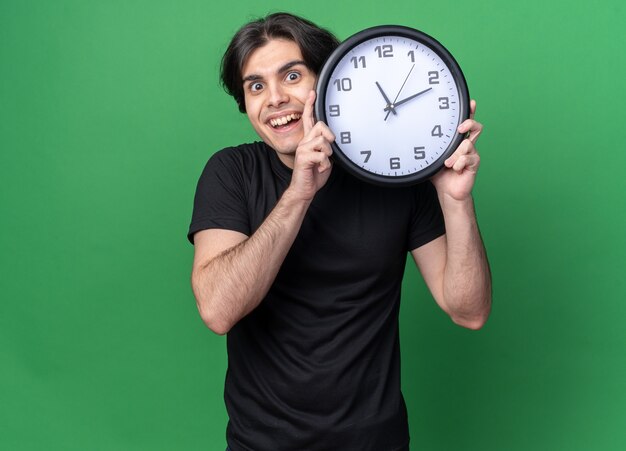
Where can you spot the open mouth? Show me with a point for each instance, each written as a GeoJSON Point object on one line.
{"type": "Point", "coordinates": [285, 121]}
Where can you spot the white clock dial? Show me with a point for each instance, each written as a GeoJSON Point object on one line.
{"type": "Point", "coordinates": [394, 105]}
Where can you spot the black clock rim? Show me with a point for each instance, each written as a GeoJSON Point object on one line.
{"type": "Point", "coordinates": [321, 87]}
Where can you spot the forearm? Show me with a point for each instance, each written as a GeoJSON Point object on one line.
{"type": "Point", "coordinates": [467, 277]}
{"type": "Point", "coordinates": [232, 284]}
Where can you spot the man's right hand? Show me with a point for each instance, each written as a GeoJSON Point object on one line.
{"type": "Point", "coordinates": [312, 165]}
{"type": "Point", "coordinates": [232, 273]}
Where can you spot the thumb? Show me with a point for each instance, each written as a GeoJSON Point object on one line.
{"type": "Point", "coordinates": [472, 108]}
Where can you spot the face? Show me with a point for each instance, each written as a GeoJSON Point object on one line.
{"type": "Point", "coordinates": [276, 83]}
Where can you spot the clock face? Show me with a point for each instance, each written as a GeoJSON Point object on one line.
{"type": "Point", "coordinates": [394, 98]}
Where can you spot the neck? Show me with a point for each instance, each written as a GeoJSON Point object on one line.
{"type": "Point", "coordinates": [287, 160]}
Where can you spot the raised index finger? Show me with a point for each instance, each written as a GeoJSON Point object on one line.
{"type": "Point", "coordinates": [307, 114]}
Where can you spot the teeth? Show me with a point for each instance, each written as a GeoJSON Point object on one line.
{"type": "Point", "coordinates": [285, 119]}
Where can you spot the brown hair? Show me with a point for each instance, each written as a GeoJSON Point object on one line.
{"type": "Point", "coordinates": [315, 43]}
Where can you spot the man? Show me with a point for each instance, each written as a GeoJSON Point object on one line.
{"type": "Point", "coordinates": [301, 264]}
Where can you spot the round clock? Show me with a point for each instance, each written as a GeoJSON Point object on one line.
{"type": "Point", "coordinates": [394, 97]}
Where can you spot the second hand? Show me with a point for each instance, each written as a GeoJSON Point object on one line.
{"type": "Point", "coordinates": [398, 95]}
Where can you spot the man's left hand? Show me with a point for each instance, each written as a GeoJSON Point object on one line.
{"type": "Point", "coordinates": [456, 179]}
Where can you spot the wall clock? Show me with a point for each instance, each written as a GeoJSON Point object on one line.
{"type": "Point", "coordinates": [394, 97]}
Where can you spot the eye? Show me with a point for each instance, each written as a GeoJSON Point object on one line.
{"type": "Point", "coordinates": [255, 86]}
{"type": "Point", "coordinates": [293, 76]}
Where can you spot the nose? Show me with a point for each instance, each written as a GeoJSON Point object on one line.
{"type": "Point", "coordinates": [277, 95]}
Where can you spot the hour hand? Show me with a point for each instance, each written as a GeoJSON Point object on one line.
{"type": "Point", "coordinates": [400, 102]}
{"type": "Point", "coordinates": [390, 106]}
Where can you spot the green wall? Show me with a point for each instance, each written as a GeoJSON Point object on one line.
{"type": "Point", "coordinates": [108, 112]}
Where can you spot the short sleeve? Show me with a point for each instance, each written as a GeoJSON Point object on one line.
{"type": "Point", "coordinates": [427, 222]}
{"type": "Point", "coordinates": [220, 199]}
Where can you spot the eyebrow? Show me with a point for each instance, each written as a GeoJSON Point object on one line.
{"type": "Point", "coordinates": [284, 68]}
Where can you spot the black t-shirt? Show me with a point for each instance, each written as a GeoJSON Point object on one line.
{"type": "Point", "coordinates": [316, 366]}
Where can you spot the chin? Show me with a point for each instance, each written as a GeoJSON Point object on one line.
{"type": "Point", "coordinates": [282, 150]}
{"type": "Point", "coordinates": [285, 147]}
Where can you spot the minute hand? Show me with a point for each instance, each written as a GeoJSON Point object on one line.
{"type": "Point", "coordinates": [400, 102]}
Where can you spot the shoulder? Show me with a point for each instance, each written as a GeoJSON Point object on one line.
{"type": "Point", "coordinates": [239, 155]}
{"type": "Point", "coordinates": [240, 162]}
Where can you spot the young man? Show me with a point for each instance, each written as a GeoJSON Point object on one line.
{"type": "Point", "coordinates": [301, 264]}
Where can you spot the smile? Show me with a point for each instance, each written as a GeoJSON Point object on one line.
{"type": "Point", "coordinates": [284, 120]}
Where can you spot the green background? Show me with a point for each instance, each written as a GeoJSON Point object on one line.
{"type": "Point", "coordinates": [108, 112]}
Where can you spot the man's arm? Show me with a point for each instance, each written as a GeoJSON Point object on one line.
{"type": "Point", "coordinates": [455, 266]}
{"type": "Point", "coordinates": [232, 273]}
